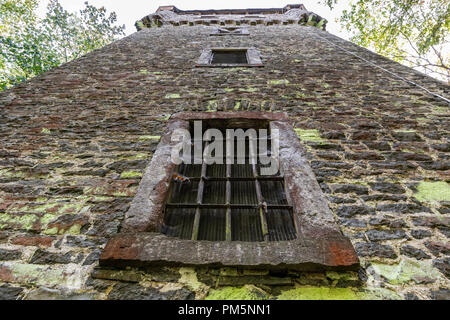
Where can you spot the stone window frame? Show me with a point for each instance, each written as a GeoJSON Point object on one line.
{"type": "Point", "coordinates": [320, 244]}
{"type": "Point", "coordinates": [242, 32]}
{"type": "Point", "coordinates": [253, 58]}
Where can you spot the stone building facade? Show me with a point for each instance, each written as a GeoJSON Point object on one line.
{"type": "Point", "coordinates": [76, 141]}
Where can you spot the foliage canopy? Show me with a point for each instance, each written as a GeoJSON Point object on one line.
{"type": "Point", "coordinates": [414, 32]}
{"type": "Point", "coordinates": [30, 45]}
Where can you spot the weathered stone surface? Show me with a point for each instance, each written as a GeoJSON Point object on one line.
{"type": "Point", "coordinates": [388, 222]}
{"type": "Point", "coordinates": [44, 257]}
{"type": "Point", "coordinates": [387, 187]}
{"type": "Point", "coordinates": [8, 292]}
{"type": "Point", "coordinates": [6, 255]}
{"type": "Point", "coordinates": [33, 240]}
{"type": "Point", "coordinates": [47, 294]}
{"type": "Point", "coordinates": [406, 136]}
{"type": "Point", "coordinates": [354, 223]}
{"type": "Point", "coordinates": [350, 188]}
{"type": "Point", "coordinates": [420, 233]}
{"type": "Point", "coordinates": [375, 249]}
{"type": "Point", "coordinates": [351, 211]}
{"type": "Point", "coordinates": [402, 208]}
{"type": "Point", "coordinates": [438, 248]}
{"type": "Point", "coordinates": [129, 291]}
{"type": "Point", "coordinates": [441, 294]}
{"type": "Point", "coordinates": [413, 252]}
{"type": "Point", "coordinates": [384, 197]}
{"type": "Point", "coordinates": [380, 235]}
{"type": "Point", "coordinates": [443, 265]}
{"type": "Point", "coordinates": [431, 221]}
{"type": "Point", "coordinates": [92, 258]}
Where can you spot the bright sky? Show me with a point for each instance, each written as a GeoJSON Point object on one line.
{"type": "Point", "coordinates": [129, 11]}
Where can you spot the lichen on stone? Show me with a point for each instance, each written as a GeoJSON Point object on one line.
{"type": "Point", "coordinates": [406, 271]}
{"type": "Point", "coordinates": [433, 191]}
{"type": "Point", "coordinates": [247, 292]}
{"type": "Point", "coordinates": [130, 174]}
{"type": "Point", "coordinates": [149, 137]}
{"type": "Point", "coordinates": [24, 222]}
{"type": "Point", "coordinates": [250, 90]}
{"type": "Point", "coordinates": [312, 135]}
{"type": "Point", "coordinates": [173, 96]}
{"type": "Point", "coordinates": [319, 293]}
{"type": "Point", "coordinates": [278, 82]}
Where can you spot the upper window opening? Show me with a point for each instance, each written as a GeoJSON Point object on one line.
{"type": "Point", "coordinates": [230, 30]}
{"type": "Point", "coordinates": [229, 202]}
{"type": "Point", "coordinates": [229, 57]}
{"type": "Point", "coordinates": [222, 31]}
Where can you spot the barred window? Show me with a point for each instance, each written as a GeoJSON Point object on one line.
{"type": "Point", "coordinates": [229, 202]}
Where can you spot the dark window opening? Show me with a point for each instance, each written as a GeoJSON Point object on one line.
{"type": "Point", "coordinates": [229, 57]}
{"type": "Point", "coordinates": [229, 202]}
{"type": "Point", "coordinates": [222, 31]}
{"type": "Point", "coordinates": [230, 30]}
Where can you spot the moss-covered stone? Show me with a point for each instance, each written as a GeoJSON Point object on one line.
{"type": "Point", "coordinates": [309, 135]}
{"type": "Point", "coordinates": [189, 279]}
{"type": "Point", "coordinates": [406, 271]}
{"type": "Point", "coordinates": [379, 294]}
{"type": "Point", "coordinates": [433, 191]}
{"type": "Point", "coordinates": [149, 137]}
{"type": "Point", "coordinates": [248, 292]}
{"type": "Point", "coordinates": [278, 82]}
{"type": "Point", "coordinates": [21, 222]}
{"type": "Point", "coordinates": [130, 174]}
{"type": "Point", "coordinates": [173, 96]}
{"type": "Point", "coordinates": [319, 293]}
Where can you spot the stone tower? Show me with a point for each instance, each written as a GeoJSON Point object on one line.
{"type": "Point", "coordinates": [86, 185]}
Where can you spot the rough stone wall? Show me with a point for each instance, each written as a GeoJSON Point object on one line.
{"type": "Point", "coordinates": [75, 141]}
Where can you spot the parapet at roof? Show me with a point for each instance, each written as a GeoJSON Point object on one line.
{"type": "Point", "coordinates": [290, 14]}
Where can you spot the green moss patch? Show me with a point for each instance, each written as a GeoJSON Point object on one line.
{"type": "Point", "coordinates": [22, 222]}
{"type": "Point", "coordinates": [247, 292]}
{"type": "Point", "coordinates": [278, 82]}
{"type": "Point", "coordinates": [309, 135]}
{"type": "Point", "coordinates": [433, 191]}
{"type": "Point", "coordinates": [130, 174]}
{"type": "Point", "coordinates": [320, 293]}
{"type": "Point", "coordinates": [149, 137]}
{"type": "Point", "coordinates": [173, 96]}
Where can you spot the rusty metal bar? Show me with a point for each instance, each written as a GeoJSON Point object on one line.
{"type": "Point", "coordinates": [261, 178]}
{"type": "Point", "coordinates": [262, 207]}
{"type": "Point", "coordinates": [200, 192]}
{"type": "Point", "coordinates": [224, 206]}
{"type": "Point", "coordinates": [228, 202]}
